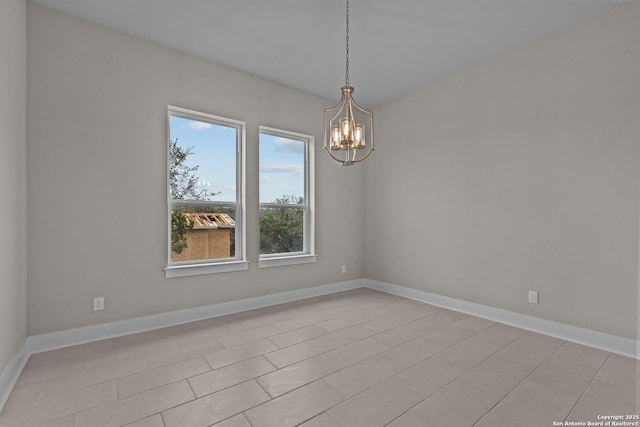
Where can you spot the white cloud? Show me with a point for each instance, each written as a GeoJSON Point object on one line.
{"type": "Point", "coordinates": [199, 125]}
{"type": "Point", "coordinates": [265, 179]}
{"type": "Point", "coordinates": [282, 168]}
{"type": "Point", "coordinates": [285, 144]}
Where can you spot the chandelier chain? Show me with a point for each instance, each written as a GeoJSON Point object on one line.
{"type": "Point", "coordinates": [347, 48]}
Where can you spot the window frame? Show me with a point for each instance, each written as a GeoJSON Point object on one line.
{"type": "Point", "coordinates": [307, 255]}
{"type": "Point", "coordinates": [239, 261]}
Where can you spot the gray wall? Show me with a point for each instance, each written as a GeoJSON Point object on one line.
{"type": "Point", "coordinates": [97, 171]}
{"type": "Point", "coordinates": [13, 177]}
{"type": "Point", "coordinates": [519, 173]}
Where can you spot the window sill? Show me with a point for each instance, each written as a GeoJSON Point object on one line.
{"type": "Point", "coordinates": [286, 260]}
{"type": "Point", "coordinates": [199, 269]}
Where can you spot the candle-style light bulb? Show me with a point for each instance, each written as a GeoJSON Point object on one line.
{"type": "Point", "coordinates": [335, 136]}
{"type": "Point", "coordinates": [346, 130]}
{"type": "Point", "coordinates": [358, 137]}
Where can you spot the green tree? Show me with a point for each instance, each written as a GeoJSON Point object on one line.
{"type": "Point", "coordinates": [183, 181]}
{"type": "Point", "coordinates": [183, 185]}
{"type": "Point", "coordinates": [282, 228]}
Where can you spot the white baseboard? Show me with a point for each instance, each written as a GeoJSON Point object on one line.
{"type": "Point", "coordinates": [12, 371]}
{"type": "Point", "coordinates": [70, 337]}
{"type": "Point", "coordinates": [588, 337]}
{"type": "Point", "coordinates": [85, 334]}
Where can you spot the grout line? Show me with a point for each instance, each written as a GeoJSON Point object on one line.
{"type": "Point", "coordinates": [587, 387]}
{"type": "Point", "coordinates": [516, 386]}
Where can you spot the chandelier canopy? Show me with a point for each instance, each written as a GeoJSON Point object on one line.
{"type": "Point", "coordinates": [348, 128]}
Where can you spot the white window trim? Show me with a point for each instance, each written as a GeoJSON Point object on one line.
{"type": "Point", "coordinates": [239, 262]}
{"type": "Point", "coordinates": [280, 261]}
{"type": "Point", "coordinates": [308, 255]}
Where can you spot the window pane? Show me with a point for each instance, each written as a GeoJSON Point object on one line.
{"type": "Point", "coordinates": [281, 169]}
{"type": "Point", "coordinates": [281, 230]}
{"type": "Point", "coordinates": [202, 160]}
{"type": "Point", "coordinates": [202, 233]}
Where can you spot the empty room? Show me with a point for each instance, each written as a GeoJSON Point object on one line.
{"type": "Point", "coordinates": [205, 226]}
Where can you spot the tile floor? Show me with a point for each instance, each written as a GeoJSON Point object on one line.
{"type": "Point", "coordinates": [356, 358]}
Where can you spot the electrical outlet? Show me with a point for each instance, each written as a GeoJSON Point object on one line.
{"type": "Point", "coordinates": [344, 269]}
{"type": "Point", "coordinates": [98, 304]}
{"type": "Point", "coordinates": [533, 297]}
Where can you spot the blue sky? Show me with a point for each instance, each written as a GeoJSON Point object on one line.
{"type": "Point", "coordinates": [281, 160]}
{"type": "Point", "coordinates": [281, 167]}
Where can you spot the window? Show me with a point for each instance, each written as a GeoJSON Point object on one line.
{"type": "Point", "coordinates": [286, 198]}
{"type": "Point", "coordinates": [205, 194]}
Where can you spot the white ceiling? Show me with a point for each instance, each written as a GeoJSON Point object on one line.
{"type": "Point", "coordinates": [395, 45]}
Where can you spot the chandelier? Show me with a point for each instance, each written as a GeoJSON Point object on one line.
{"type": "Point", "coordinates": [348, 128]}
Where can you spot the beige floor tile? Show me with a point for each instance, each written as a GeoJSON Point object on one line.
{"type": "Point", "coordinates": [360, 376]}
{"type": "Point", "coordinates": [322, 420]}
{"type": "Point", "coordinates": [389, 321]}
{"type": "Point", "coordinates": [214, 326]}
{"type": "Point", "coordinates": [230, 375]}
{"type": "Point", "coordinates": [136, 407]}
{"type": "Point", "coordinates": [491, 420]}
{"type": "Point", "coordinates": [581, 354]}
{"type": "Point", "coordinates": [417, 328]}
{"type": "Point", "coordinates": [60, 406]}
{"type": "Point", "coordinates": [152, 421]}
{"type": "Point", "coordinates": [475, 324]}
{"type": "Point", "coordinates": [177, 354]}
{"type": "Point", "coordinates": [69, 353]}
{"type": "Point", "coordinates": [353, 353]}
{"type": "Point", "coordinates": [533, 404]}
{"type": "Point", "coordinates": [344, 337]}
{"type": "Point", "coordinates": [421, 311]}
{"type": "Point", "coordinates": [237, 354]}
{"type": "Point", "coordinates": [445, 408]}
{"type": "Point", "coordinates": [343, 322]}
{"type": "Point", "coordinates": [50, 371]}
{"type": "Point", "coordinates": [375, 407]}
{"type": "Point", "coordinates": [69, 421]}
{"type": "Point", "coordinates": [449, 335]}
{"type": "Point", "coordinates": [157, 377]}
{"type": "Point", "coordinates": [407, 304]}
{"type": "Point", "coordinates": [412, 352]}
{"type": "Point", "coordinates": [470, 352]}
{"type": "Point", "coordinates": [532, 340]}
{"type": "Point", "coordinates": [237, 421]}
{"type": "Point", "coordinates": [297, 375]}
{"type": "Point", "coordinates": [305, 320]}
{"type": "Point", "coordinates": [428, 377]}
{"type": "Point", "coordinates": [408, 420]}
{"type": "Point", "coordinates": [500, 335]}
{"type": "Point", "coordinates": [93, 376]}
{"type": "Point", "coordinates": [415, 365]}
{"type": "Point", "coordinates": [296, 407]}
{"type": "Point", "coordinates": [373, 312]}
{"type": "Point", "coordinates": [603, 398]}
{"type": "Point", "coordinates": [519, 358]}
{"type": "Point", "coordinates": [216, 407]}
{"type": "Point", "coordinates": [297, 336]}
{"type": "Point", "coordinates": [120, 354]}
{"type": "Point", "coordinates": [622, 372]}
{"type": "Point", "coordinates": [249, 335]}
{"type": "Point", "coordinates": [153, 336]}
{"type": "Point", "coordinates": [566, 372]}
{"type": "Point", "coordinates": [445, 317]}
{"type": "Point", "coordinates": [296, 353]}
{"type": "Point", "coordinates": [244, 322]}
{"type": "Point", "coordinates": [305, 350]}
{"type": "Point", "coordinates": [22, 395]}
